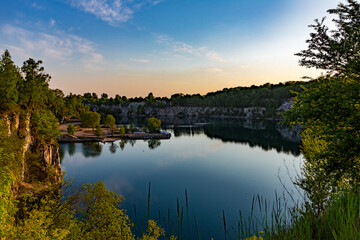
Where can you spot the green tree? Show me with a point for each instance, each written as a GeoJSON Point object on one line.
{"type": "Point", "coordinates": [109, 122]}
{"type": "Point", "coordinates": [98, 131]}
{"type": "Point", "coordinates": [34, 88]}
{"type": "Point", "coordinates": [336, 51]}
{"type": "Point", "coordinates": [90, 119]}
{"type": "Point", "coordinates": [329, 108]}
{"type": "Point", "coordinates": [9, 79]}
{"type": "Point", "coordinates": [45, 127]}
{"type": "Point", "coordinates": [154, 124]}
{"type": "Point", "coordinates": [122, 130]}
{"type": "Point", "coordinates": [71, 129]}
{"type": "Point", "coordinates": [99, 215]}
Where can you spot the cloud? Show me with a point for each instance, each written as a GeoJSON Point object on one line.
{"type": "Point", "coordinates": [111, 11]}
{"type": "Point", "coordinates": [213, 70]}
{"type": "Point", "coordinates": [179, 49]}
{"type": "Point", "coordinates": [62, 48]}
{"type": "Point", "coordinates": [52, 22]}
{"type": "Point", "coordinates": [214, 56]}
{"type": "Point", "coordinates": [139, 60]}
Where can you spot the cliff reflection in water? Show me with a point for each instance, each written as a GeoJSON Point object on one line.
{"type": "Point", "coordinates": [265, 134]}
{"type": "Point", "coordinates": [256, 133]}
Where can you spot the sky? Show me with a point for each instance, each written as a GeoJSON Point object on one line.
{"type": "Point", "coordinates": [133, 47]}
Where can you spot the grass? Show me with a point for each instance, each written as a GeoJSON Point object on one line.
{"type": "Point", "coordinates": [274, 220]}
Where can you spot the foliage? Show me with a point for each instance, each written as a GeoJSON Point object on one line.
{"type": "Point", "coordinates": [109, 122]}
{"type": "Point", "coordinates": [98, 131]}
{"type": "Point", "coordinates": [34, 89]}
{"type": "Point", "coordinates": [122, 130]}
{"type": "Point", "coordinates": [7, 207]}
{"type": "Point", "coordinates": [98, 214]}
{"type": "Point", "coordinates": [71, 129]}
{"type": "Point", "coordinates": [43, 217]}
{"type": "Point", "coordinates": [154, 124]}
{"type": "Point", "coordinates": [9, 79]}
{"type": "Point", "coordinates": [330, 114]}
{"type": "Point", "coordinates": [337, 51]}
{"type": "Point", "coordinates": [45, 126]}
{"type": "Point", "coordinates": [90, 119]}
{"type": "Point", "coordinates": [153, 231]}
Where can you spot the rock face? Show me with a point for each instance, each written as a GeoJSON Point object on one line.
{"type": "Point", "coordinates": [51, 159]}
{"type": "Point", "coordinates": [286, 105]}
{"type": "Point", "coordinates": [20, 126]}
{"type": "Point", "coordinates": [133, 109]}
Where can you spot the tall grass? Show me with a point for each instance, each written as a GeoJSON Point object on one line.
{"type": "Point", "coordinates": [340, 220]}
{"type": "Point", "coordinates": [275, 219]}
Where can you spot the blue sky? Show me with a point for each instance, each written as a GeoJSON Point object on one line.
{"type": "Point", "coordinates": [133, 47]}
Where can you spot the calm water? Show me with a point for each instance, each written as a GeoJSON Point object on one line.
{"type": "Point", "coordinates": [221, 165]}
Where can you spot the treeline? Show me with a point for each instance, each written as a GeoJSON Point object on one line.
{"type": "Point", "coordinates": [267, 95]}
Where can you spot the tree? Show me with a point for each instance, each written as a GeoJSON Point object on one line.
{"type": "Point", "coordinates": [71, 129]}
{"type": "Point", "coordinates": [329, 109]}
{"type": "Point", "coordinates": [154, 124]}
{"type": "Point", "coordinates": [90, 119]}
{"type": "Point", "coordinates": [150, 97]}
{"type": "Point", "coordinates": [44, 126]}
{"type": "Point", "coordinates": [336, 51]}
{"type": "Point", "coordinates": [9, 79]}
{"type": "Point", "coordinates": [98, 131]}
{"type": "Point", "coordinates": [122, 130]}
{"type": "Point", "coordinates": [33, 90]}
{"type": "Point", "coordinates": [99, 215]}
{"type": "Point", "coordinates": [109, 122]}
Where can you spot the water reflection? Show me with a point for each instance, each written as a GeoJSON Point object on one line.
{"type": "Point", "coordinates": [154, 143]}
{"type": "Point", "coordinates": [91, 149]}
{"type": "Point", "coordinates": [72, 148]}
{"type": "Point", "coordinates": [268, 135]}
{"type": "Point", "coordinates": [113, 147]}
{"type": "Point", "coordinates": [122, 144]}
{"type": "Point", "coordinates": [265, 134]}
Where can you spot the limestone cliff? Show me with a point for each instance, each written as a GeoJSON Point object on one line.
{"type": "Point", "coordinates": [142, 109]}
{"type": "Point", "coordinates": [47, 155]}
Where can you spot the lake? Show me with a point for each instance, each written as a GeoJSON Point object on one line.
{"type": "Point", "coordinates": [221, 164]}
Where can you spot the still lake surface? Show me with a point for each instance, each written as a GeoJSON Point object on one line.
{"type": "Point", "coordinates": [221, 164]}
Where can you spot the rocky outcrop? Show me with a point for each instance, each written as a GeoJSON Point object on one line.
{"type": "Point", "coordinates": [286, 105]}
{"type": "Point", "coordinates": [141, 109]}
{"type": "Point", "coordinates": [20, 126]}
{"type": "Point", "coordinates": [51, 162]}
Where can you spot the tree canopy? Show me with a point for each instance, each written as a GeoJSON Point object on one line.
{"type": "Point", "coordinates": [337, 50]}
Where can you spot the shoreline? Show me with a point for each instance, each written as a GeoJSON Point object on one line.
{"type": "Point", "coordinates": [87, 135]}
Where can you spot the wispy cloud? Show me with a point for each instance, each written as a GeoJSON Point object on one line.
{"type": "Point", "coordinates": [178, 49]}
{"type": "Point", "coordinates": [141, 60]}
{"type": "Point", "coordinates": [62, 47]}
{"type": "Point", "coordinates": [213, 70]}
{"type": "Point", "coordinates": [52, 22]}
{"type": "Point", "coordinates": [111, 11]}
